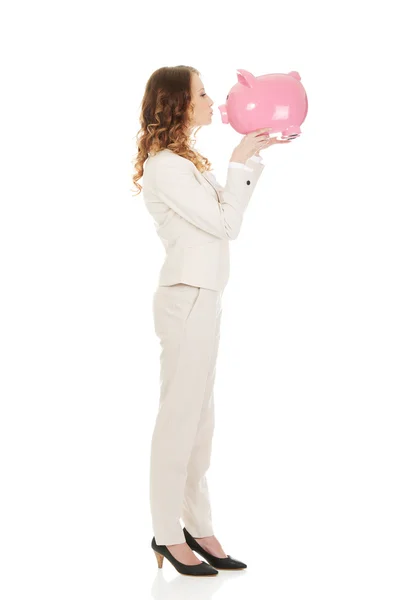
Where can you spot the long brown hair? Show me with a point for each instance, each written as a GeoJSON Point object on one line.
{"type": "Point", "coordinates": [165, 117]}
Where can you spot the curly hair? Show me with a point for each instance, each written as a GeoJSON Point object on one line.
{"type": "Point", "coordinates": [165, 117]}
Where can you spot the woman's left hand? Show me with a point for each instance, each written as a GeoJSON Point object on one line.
{"type": "Point", "coordinates": [271, 141]}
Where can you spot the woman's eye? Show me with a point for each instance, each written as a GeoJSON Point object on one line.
{"type": "Point", "coordinates": [202, 94]}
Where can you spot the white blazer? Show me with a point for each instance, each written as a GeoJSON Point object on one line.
{"type": "Point", "coordinates": [195, 217]}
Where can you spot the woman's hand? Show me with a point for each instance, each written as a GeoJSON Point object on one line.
{"type": "Point", "coordinates": [250, 144]}
{"type": "Point", "coordinates": [271, 142]}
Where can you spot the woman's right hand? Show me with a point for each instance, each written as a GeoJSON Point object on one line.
{"type": "Point", "coordinates": [250, 144]}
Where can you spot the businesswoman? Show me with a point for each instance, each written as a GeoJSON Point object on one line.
{"type": "Point", "coordinates": [196, 218]}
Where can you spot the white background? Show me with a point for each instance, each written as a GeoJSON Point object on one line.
{"type": "Point", "coordinates": [304, 480]}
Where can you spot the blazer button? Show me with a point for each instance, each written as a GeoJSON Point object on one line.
{"type": "Point", "coordinates": [248, 182]}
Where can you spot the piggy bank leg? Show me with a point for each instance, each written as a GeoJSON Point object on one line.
{"type": "Point", "coordinates": [290, 133]}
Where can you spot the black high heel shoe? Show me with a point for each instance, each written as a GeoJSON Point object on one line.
{"type": "Point", "coordinates": [161, 551]}
{"type": "Point", "coordinates": [219, 563]}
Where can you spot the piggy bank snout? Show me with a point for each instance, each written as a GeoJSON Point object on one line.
{"type": "Point", "coordinates": [224, 113]}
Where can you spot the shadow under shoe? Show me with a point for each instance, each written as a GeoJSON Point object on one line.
{"type": "Point", "coordinates": [219, 563]}
{"type": "Point", "coordinates": [201, 570]}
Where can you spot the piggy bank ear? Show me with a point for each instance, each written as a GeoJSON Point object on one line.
{"type": "Point", "coordinates": [295, 74]}
{"type": "Point", "coordinates": [245, 78]}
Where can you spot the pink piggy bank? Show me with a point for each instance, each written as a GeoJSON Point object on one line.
{"type": "Point", "coordinates": [277, 100]}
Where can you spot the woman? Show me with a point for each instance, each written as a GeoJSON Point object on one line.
{"type": "Point", "coordinates": [195, 218]}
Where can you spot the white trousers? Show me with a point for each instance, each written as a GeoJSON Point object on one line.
{"type": "Point", "coordinates": [187, 323]}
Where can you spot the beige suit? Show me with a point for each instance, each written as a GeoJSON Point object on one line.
{"type": "Point", "coordinates": [196, 218]}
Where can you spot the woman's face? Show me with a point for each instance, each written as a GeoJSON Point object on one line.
{"type": "Point", "coordinates": [202, 103]}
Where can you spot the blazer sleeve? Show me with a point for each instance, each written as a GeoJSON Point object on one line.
{"type": "Point", "coordinates": [177, 186]}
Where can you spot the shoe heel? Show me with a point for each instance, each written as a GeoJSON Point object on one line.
{"type": "Point", "coordinates": [160, 559]}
